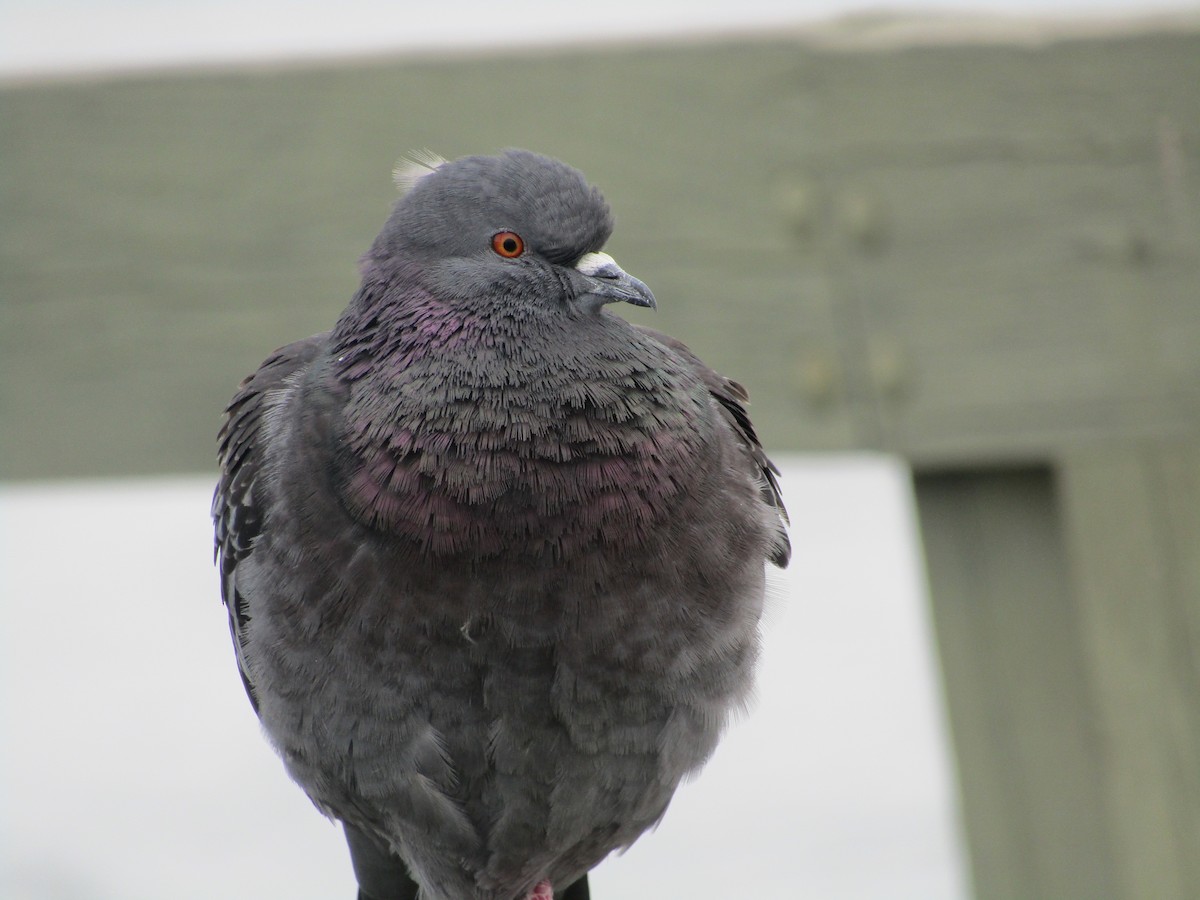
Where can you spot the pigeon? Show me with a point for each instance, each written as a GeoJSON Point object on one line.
{"type": "Point", "coordinates": [493, 557]}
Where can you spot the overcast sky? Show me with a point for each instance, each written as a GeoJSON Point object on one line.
{"type": "Point", "coordinates": [55, 36]}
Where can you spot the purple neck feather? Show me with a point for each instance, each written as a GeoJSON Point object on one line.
{"type": "Point", "coordinates": [545, 433]}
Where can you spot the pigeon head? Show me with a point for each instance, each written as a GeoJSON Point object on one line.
{"type": "Point", "coordinates": [514, 228]}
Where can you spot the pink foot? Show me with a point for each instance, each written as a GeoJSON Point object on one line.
{"type": "Point", "coordinates": [542, 891]}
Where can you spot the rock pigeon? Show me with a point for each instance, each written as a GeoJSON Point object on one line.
{"type": "Point", "coordinates": [493, 557]}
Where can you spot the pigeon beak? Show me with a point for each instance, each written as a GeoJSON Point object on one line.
{"type": "Point", "coordinates": [611, 283]}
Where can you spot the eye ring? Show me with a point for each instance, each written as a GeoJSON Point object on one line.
{"type": "Point", "coordinates": [508, 244]}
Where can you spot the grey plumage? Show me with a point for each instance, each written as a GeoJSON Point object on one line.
{"type": "Point", "coordinates": [493, 557]}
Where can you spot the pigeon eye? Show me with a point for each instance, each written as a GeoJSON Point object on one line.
{"type": "Point", "coordinates": [508, 244]}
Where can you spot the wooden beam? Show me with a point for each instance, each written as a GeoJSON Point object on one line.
{"type": "Point", "coordinates": [945, 251]}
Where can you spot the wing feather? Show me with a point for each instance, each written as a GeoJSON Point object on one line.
{"type": "Point", "coordinates": [238, 504]}
{"type": "Point", "coordinates": [733, 399]}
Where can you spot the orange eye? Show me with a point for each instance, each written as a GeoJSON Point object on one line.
{"type": "Point", "coordinates": [508, 244]}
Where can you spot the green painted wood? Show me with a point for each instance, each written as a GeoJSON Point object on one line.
{"type": "Point", "coordinates": [1133, 517]}
{"type": "Point", "coordinates": [1066, 605]}
{"type": "Point", "coordinates": [1021, 700]}
{"type": "Point", "coordinates": [1020, 237]}
{"type": "Point", "coordinates": [953, 251]}
{"type": "Point", "coordinates": [162, 234]}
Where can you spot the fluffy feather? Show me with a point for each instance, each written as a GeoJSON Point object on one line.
{"type": "Point", "coordinates": [415, 166]}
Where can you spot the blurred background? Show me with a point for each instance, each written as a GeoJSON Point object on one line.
{"type": "Point", "coordinates": [952, 249]}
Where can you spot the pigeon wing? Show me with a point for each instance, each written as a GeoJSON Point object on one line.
{"type": "Point", "coordinates": [238, 502]}
{"type": "Point", "coordinates": [733, 399]}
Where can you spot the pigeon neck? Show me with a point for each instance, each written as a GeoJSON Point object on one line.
{"type": "Point", "coordinates": [461, 432]}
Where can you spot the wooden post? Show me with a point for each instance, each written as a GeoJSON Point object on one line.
{"type": "Point", "coordinates": [1131, 517]}
{"type": "Point", "coordinates": [1022, 707]}
{"type": "Point", "coordinates": [1067, 609]}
